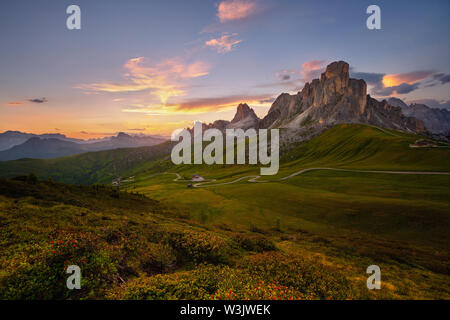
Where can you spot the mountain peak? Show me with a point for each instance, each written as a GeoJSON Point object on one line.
{"type": "Point", "coordinates": [243, 111]}
{"type": "Point", "coordinates": [123, 135]}
{"type": "Point", "coordinates": [337, 69]}
{"type": "Point", "coordinates": [333, 99]}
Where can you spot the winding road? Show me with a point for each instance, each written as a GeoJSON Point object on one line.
{"type": "Point", "coordinates": [254, 178]}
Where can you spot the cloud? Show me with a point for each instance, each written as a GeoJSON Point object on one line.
{"type": "Point", "coordinates": [15, 103]}
{"type": "Point", "coordinates": [403, 88]}
{"type": "Point", "coordinates": [269, 100]}
{"type": "Point", "coordinates": [385, 85]}
{"type": "Point", "coordinates": [442, 77]}
{"type": "Point", "coordinates": [37, 100]}
{"type": "Point", "coordinates": [236, 10]}
{"type": "Point", "coordinates": [369, 77]}
{"type": "Point", "coordinates": [393, 80]}
{"type": "Point", "coordinates": [294, 78]}
{"type": "Point", "coordinates": [224, 44]}
{"type": "Point", "coordinates": [285, 75]}
{"type": "Point", "coordinates": [201, 105]}
{"type": "Point", "coordinates": [312, 69]}
{"type": "Point", "coordinates": [162, 79]}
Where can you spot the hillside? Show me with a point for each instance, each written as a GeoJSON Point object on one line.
{"type": "Point", "coordinates": [200, 243]}
{"type": "Point", "coordinates": [130, 247]}
{"type": "Point", "coordinates": [347, 146]}
{"type": "Point", "coordinates": [355, 195]}
{"type": "Point", "coordinates": [41, 149]}
{"type": "Point", "coordinates": [87, 168]}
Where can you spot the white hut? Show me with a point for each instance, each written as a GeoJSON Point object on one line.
{"type": "Point", "coordinates": [197, 178]}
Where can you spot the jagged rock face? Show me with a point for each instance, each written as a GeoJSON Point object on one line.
{"type": "Point", "coordinates": [332, 98]}
{"type": "Point", "coordinates": [220, 124]}
{"type": "Point", "coordinates": [244, 118]}
{"type": "Point", "coordinates": [335, 98]}
{"type": "Point", "coordinates": [435, 120]}
{"type": "Point", "coordinates": [243, 111]}
{"type": "Point", "coordinates": [384, 115]}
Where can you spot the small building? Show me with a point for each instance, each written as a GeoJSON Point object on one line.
{"type": "Point", "coordinates": [197, 178]}
{"type": "Point", "coordinates": [117, 182]}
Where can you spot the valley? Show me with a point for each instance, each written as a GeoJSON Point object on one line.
{"type": "Point", "coordinates": [350, 192]}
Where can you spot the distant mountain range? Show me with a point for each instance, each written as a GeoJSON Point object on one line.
{"type": "Point", "coordinates": [9, 139]}
{"type": "Point", "coordinates": [17, 145]}
{"type": "Point", "coordinates": [436, 120]}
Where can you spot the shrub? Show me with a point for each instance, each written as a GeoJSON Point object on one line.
{"type": "Point", "coordinates": [160, 258]}
{"type": "Point", "coordinates": [254, 243]}
{"type": "Point", "coordinates": [197, 284]}
{"type": "Point", "coordinates": [43, 275]}
{"type": "Point", "coordinates": [204, 246]}
{"type": "Point", "coordinates": [312, 279]}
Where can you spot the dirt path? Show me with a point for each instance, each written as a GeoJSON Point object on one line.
{"type": "Point", "coordinates": [255, 178]}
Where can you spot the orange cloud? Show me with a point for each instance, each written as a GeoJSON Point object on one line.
{"type": "Point", "coordinates": [162, 79]}
{"type": "Point", "coordinates": [235, 9]}
{"type": "Point", "coordinates": [202, 105]}
{"type": "Point", "coordinates": [220, 103]}
{"type": "Point", "coordinates": [15, 104]}
{"type": "Point", "coordinates": [224, 44]}
{"type": "Point", "coordinates": [393, 80]}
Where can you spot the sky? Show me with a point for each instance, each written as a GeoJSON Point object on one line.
{"type": "Point", "coordinates": [153, 66]}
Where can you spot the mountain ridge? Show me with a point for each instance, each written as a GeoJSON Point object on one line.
{"type": "Point", "coordinates": [41, 147]}
{"type": "Point", "coordinates": [333, 99]}
{"type": "Point", "coordinates": [436, 120]}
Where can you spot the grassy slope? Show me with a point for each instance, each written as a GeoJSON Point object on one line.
{"type": "Point", "coordinates": [394, 219]}
{"type": "Point", "coordinates": [129, 246]}
{"type": "Point", "coordinates": [86, 168]}
{"type": "Point", "coordinates": [398, 222]}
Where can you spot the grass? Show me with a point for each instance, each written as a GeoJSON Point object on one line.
{"type": "Point", "coordinates": [308, 237]}
{"type": "Point", "coordinates": [132, 247]}
{"type": "Point", "coordinates": [400, 221]}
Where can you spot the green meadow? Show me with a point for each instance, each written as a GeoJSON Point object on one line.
{"type": "Point", "coordinates": [310, 236]}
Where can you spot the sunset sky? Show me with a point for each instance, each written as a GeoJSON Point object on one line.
{"type": "Point", "coordinates": [154, 66]}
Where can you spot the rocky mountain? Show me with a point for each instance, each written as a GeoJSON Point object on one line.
{"type": "Point", "coordinates": [333, 99]}
{"type": "Point", "coordinates": [436, 120]}
{"type": "Point", "coordinates": [244, 118]}
{"type": "Point", "coordinates": [336, 98]}
{"type": "Point", "coordinates": [40, 147]}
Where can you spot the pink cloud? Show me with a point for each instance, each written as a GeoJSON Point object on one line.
{"type": "Point", "coordinates": [312, 69]}
{"type": "Point", "coordinates": [224, 44]}
{"type": "Point", "coordinates": [235, 10]}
